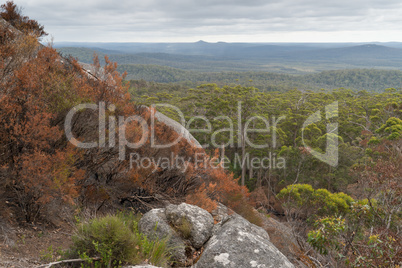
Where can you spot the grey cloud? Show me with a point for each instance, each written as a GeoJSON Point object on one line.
{"type": "Point", "coordinates": [210, 17]}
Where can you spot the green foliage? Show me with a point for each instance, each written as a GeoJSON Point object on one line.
{"type": "Point", "coordinates": [297, 194]}
{"type": "Point", "coordinates": [106, 257]}
{"type": "Point", "coordinates": [393, 127]}
{"type": "Point", "coordinates": [51, 254]}
{"type": "Point", "coordinates": [109, 237]}
{"type": "Point", "coordinates": [116, 240]}
{"type": "Point", "coordinates": [354, 238]}
{"type": "Point", "coordinates": [322, 238]}
{"type": "Point", "coordinates": [308, 201]}
{"type": "Point", "coordinates": [382, 252]}
{"type": "Point", "coordinates": [374, 141]}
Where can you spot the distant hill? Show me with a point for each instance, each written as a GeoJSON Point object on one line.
{"type": "Point", "coordinates": [83, 54]}
{"type": "Point", "coordinates": [368, 51]}
{"type": "Point", "coordinates": [363, 56]}
{"type": "Point", "coordinates": [287, 58]}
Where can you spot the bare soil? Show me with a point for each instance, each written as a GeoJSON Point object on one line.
{"type": "Point", "coordinates": [30, 246]}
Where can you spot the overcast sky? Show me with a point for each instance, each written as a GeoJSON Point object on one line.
{"type": "Point", "coordinates": [214, 20]}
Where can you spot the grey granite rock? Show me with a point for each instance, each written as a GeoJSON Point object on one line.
{"type": "Point", "coordinates": [200, 220]}
{"type": "Point", "coordinates": [238, 243]}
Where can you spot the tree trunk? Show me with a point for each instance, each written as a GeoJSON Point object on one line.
{"type": "Point", "coordinates": [243, 158]}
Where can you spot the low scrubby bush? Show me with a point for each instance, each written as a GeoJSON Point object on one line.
{"type": "Point", "coordinates": [115, 239]}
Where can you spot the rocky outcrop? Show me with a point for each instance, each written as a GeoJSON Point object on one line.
{"type": "Point", "coordinates": [200, 221]}
{"type": "Point", "coordinates": [169, 223]}
{"type": "Point", "coordinates": [238, 243]}
{"type": "Point", "coordinates": [155, 225]}
{"type": "Point", "coordinates": [232, 242]}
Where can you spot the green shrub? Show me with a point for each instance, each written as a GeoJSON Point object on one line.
{"type": "Point", "coordinates": [300, 194]}
{"type": "Point", "coordinates": [357, 240]}
{"type": "Point", "coordinates": [308, 202]}
{"type": "Point", "coordinates": [105, 236]}
{"type": "Point", "coordinates": [323, 238]}
{"type": "Point", "coordinates": [116, 240]}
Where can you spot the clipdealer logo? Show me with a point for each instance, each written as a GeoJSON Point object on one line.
{"type": "Point", "coordinates": [331, 154]}
{"type": "Point", "coordinates": [271, 160]}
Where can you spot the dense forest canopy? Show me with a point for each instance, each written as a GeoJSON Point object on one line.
{"type": "Point", "coordinates": [359, 112]}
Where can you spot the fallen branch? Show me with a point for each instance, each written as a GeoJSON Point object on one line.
{"type": "Point", "coordinates": [66, 261]}
{"type": "Point", "coordinates": [314, 260]}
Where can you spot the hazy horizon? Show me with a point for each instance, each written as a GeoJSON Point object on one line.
{"type": "Point", "coordinates": [217, 42]}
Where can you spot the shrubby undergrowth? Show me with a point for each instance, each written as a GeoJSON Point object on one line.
{"type": "Point", "coordinates": [115, 239]}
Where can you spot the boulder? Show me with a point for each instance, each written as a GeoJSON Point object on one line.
{"type": "Point", "coordinates": [238, 243]}
{"type": "Point", "coordinates": [221, 213]}
{"type": "Point", "coordinates": [231, 242]}
{"type": "Point", "coordinates": [155, 226]}
{"type": "Point", "coordinates": [200, 221]}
